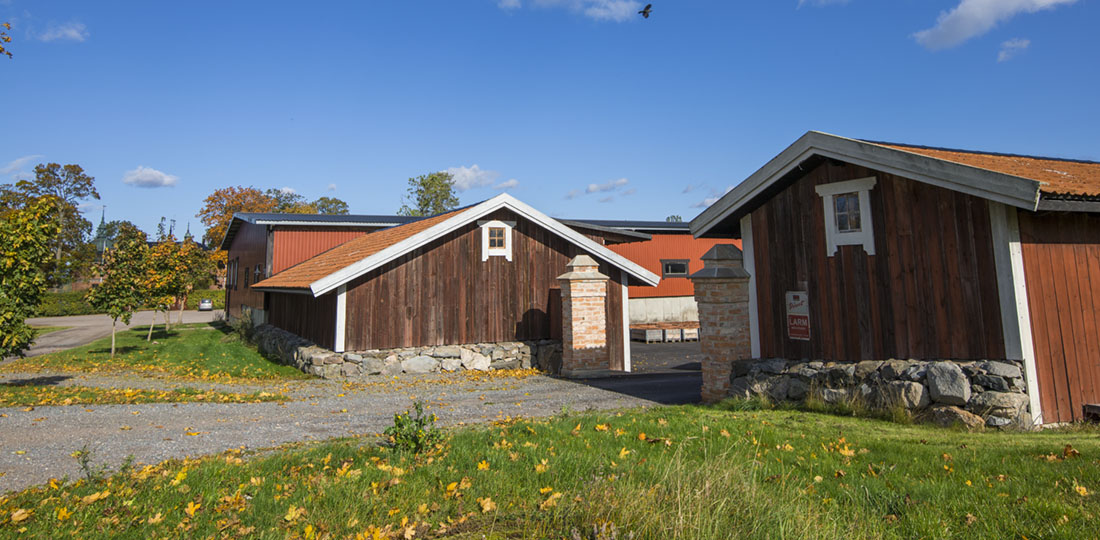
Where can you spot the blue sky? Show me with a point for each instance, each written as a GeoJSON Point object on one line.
{"type": "Point", "coordinates": [578, 107]}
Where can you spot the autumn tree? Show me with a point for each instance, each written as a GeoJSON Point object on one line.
{"type": "Point", "coordinates": [161, 279]}
{"type": "Point", "coordinates": [429, 195]}
{"type": "Point", "coordinates": [5, 39]}
{"type": "Point", "coordinates": [219, 207]}
{"type": "Point", "coordinates": [121, 292]}
{"type": "Point", "coordinates": [27, 234]}
{"type": "Point", "coordinates": [69, 186]}
{"type": "Point", "coordinates": [195, 268]}
{"type": "Point", "coordinates": [289, 202]}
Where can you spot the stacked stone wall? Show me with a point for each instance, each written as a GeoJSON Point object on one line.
{"type": "Point", "coordinates": [290, 349]}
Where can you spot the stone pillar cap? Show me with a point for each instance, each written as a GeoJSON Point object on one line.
{"type": "Point", "coordinates": [582, 261]}
{"type": "Point", "coordinates": [723, 252]}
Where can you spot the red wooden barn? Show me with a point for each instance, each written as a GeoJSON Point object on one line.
{"type": "Point", "coordinates": [913, 252]}
{"type": "Point", "coordinates": [484, 273]}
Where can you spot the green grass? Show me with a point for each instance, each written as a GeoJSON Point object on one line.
{"type": "Point", "coordinates": [33, 394]}
{"type": "Point", "coordinates": [43, 330]}
{"type": "Point", "coordinates": [193, 351]}
{"type": "Point", "coordinates": [697, 473]}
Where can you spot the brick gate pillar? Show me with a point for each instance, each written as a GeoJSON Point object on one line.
{"type": "Point", "coordinates": [584, 319]}
{"type": "Point", "coordinates": [722, 293]}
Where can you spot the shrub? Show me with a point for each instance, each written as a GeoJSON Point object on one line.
{"type": "Point", "coordinates": [216, 295]}
{"type": "Point", "coordinates": [64, 303]}
{"type": "Point", "coordinates": [414, 433]}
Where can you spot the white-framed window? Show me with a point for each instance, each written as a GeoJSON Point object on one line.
{"type": "Point", "coordinates": [496, 239]}
{"type": "Point", "coordinates": [848, 214]}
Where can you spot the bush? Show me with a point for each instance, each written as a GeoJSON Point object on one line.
{"type": "Point", "coordinates": [64, 303]}
{"type": "Point", "coordinates": [414, 433]}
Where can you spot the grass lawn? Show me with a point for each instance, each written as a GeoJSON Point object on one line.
{"type": "Point", "coordinates": [25, 395]}
{"type": "Point", "coordinates": [192, 351]}
{"type": "Point", "coordinates": [686, 472]}
{"type": "Point", "coordinates": [43, 330]}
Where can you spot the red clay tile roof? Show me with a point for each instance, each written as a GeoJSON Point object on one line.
{"type": "Point", "coordinates": [300, 276]}
{"type": "Point", "coordinates": [1057, 176]}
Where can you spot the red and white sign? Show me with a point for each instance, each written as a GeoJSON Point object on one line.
{"type": "Point", "coordinates": [798, 316]}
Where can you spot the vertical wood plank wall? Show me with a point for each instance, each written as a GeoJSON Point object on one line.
{"type": "Point", "coordinates": [306, 316]}
{"type": "Point", "coordinates": [250, 245]}
{"type": "Point", "coordinates": [930, 291]}
{"type": "Point", "coordinates": [444, 294]}
{"type": "Point", "coordinates": [1061, 254]}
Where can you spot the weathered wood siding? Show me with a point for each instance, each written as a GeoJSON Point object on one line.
{"type": "Point", "coordinates": [444, 294]}
{"type": "Point", "coordinates": [930, 291]}
{"type": "Point", "coordinates": [249, 248]}
{"type": "Point", "coordinates": [304, 315]}
{"type": "Point", "coordinates": [1061, 253]}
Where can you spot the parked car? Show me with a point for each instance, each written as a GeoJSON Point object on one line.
{"type": "Point", "coordinates": [206, 304]}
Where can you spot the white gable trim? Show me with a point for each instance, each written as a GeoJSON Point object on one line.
{"type": "Point", "coordinates": [452, 224]}
{"type": "Point", "coordinates": [994, 186]}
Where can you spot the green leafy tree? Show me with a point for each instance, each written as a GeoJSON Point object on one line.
{"type": "Point", "coordinates": [70, 186]}
{"type": "Point", "coordinates": [122, 292]}
{"type": "Point", "coordinates": [27, 234]}
{"type": "Point", "coordinates": [330, 205]}
{"type": "Point", "coordinates": [162, 279]}
{"type": "Point", "coordinates": [195, 268]}
{"type": "Point", "coordinates": [289, 202]}
{"type": "Point", "coordinates": [429, 195]}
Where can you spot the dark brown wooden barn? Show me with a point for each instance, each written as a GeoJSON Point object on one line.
{"type": "Point", "coordinates": [481, 274]}
{"type": "Point", "coordinates": [924, 253]}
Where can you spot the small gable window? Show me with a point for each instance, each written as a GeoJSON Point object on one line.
{"type": "Point", "coordinates": [496, 239]}
{"type": "Point", "coordinates": [847, 208]}
{"type": "Point", "coordinates": [674, 268]}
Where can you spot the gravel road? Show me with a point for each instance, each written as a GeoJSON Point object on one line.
{"type": "Point", "coordinates": [36, 445]}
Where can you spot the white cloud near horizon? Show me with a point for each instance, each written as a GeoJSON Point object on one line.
{"type": "Point", "coordinates": [507, 184]}
{"type": "Point", "coordinates": [288, 190]}
{"type": "Point", "coordinates": [70, 31]}
{"type": "Point", "coordinates": [611, 185]}
{"type": "Point", "coordinates": [573, 194]}
{"type": "Point", "coordinates": [600, 10]}
{"type": "Point", "coordinates": [148, 177]}
{"type": "Point", "coordinates": [1012, 47]}
{"type": "Point", "coordinates": [607, 199]}
{"type": "Point", "coordinates": [473, 176]}
{"type": "Point", "coordinates": [331, 187]}
{"type": "Point", "coordinates": [821, 3]}
{"type": "Point", "coordinates": [972, 18]}
{"type": "Point", "coordinates": [714, 196]}
{"type": "Point", "coordinates": [16, 165]}
{"type": "Point", "coordinates": [629, 192]}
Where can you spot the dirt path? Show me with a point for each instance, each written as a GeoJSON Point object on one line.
{"type": "Point", "coordinates": [37, 445]}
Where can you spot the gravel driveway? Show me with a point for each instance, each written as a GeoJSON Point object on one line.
{"type": "Point", "coordinates": [36, 445]}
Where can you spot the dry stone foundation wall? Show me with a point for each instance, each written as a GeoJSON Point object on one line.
{"type": "Point", "coordinates": [293, 350]}
{"type": "Point", "coordinates": [988, 392]}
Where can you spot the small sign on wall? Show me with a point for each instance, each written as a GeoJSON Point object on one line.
{"type": "Point", "coordinates": [798, 315]}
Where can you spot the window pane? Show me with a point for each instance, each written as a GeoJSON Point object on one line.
{"type": "Point", "coordinates": [496, 237]}
{"type": "Point", "coordinates": [842, 222]}
{"type": "Point", "coordinates": [853, 220]}
{"type": "Point", "coordinates": [841, 203]}
{"type": "Point", "coordinates": [675, 268]}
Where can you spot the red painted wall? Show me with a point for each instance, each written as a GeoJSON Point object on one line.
{"type": "Point", "coordinates": [296, 244]}
{"type": "Point", "coordinates": [649, 254]}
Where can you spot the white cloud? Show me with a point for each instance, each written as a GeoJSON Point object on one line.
{"type": "Point", "coordinates": [1011, 47]}
{"type": "Point", "coordinates": [288, 190]}
{"type": "Point", "coordinates": [508, 4]}
{"type": "Point", "coordinates": [600, 10]}
{"type": "Point", "coordinates": [607, 199]}
{"type": "Point", "coordinates": [973, 18]}
{"type": "Point", "coordinates": [148, 177]}
{"type": "Point", "coordinates": [714, 196]}
{"type": "Point", "coordinates": [507, 184]}
{"type": "Point", "coordinates": [607, 186]}
{"type": "Point", "coordinates": [71, 31]}
{"type": "Point", "coordinates": [628, 192]}
{"type": "Point", "coordinates": [17, 164]}
{"type": "Point", "coordinates": [331, 187]}
{"type": "Point", "coordinates": [471, 177]}
{"type": "Point", "coordinates": [573, 194]}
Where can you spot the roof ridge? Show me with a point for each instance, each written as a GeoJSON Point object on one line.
{"type": "Point", "coordinates": [980, 152]}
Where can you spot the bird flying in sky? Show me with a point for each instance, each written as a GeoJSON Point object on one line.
{"type": "Point", "coordinates": [648, 9]}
